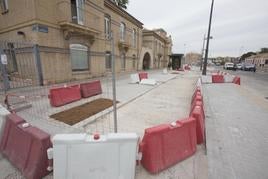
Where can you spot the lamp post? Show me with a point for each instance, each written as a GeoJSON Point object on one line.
{"type": "Point", "coordinates": [203, 49]}
{"type": "Point", "coordinates": [208, 35]}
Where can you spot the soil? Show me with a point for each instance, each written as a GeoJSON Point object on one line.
{"type": "Point", "coordinates": [82, 112]}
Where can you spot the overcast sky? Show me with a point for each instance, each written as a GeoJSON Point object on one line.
{"type": "Point", "coordinates": [238, 26]}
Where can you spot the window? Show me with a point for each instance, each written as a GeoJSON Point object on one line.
{"type": "Point", "coordinates": [77, 9]}
{"type": "Point", "coordinates": [79, 57]}
{"type": "Point", "coordinates": [266, 62]}
{"type": "Point", "coordinates": [122, 31]}
{"type": "Point", "coordinates": [123, 61]}
{"type": "Point", "coordinates": [4, 6]}
{"type": "Point", "coordinates": [134, 40]}
{"type": "Point", "coordinates": [133, 61]}
{"type": "Point", "coordinates": [108, 60]}
{"type": "Point", "coordinates": [107, 26]}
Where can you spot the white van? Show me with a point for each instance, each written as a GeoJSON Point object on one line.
{"type": "Point", "coordinates": [229, 66]}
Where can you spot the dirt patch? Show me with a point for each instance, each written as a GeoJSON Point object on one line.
{"type": "Point", "coordinates": [82, 112]}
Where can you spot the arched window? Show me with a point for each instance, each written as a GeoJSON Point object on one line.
{"type": "Point", "coordinates": [79, 57]}
{"type": "Point", "coordinates": [122, 31]}
{"type": "Point", "coordinates": [107, 26]}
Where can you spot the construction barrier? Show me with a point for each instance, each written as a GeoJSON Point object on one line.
{"type": "Point", "coordinates": [111, 156]}
{"type": "Point", "coordinates": [64, 95]}
{"type": "Point", "coordinates": [3, 113]}
{"type": "Point", "coordinates": [198, 97]}
{"type": "Point", "coordinates": [217, 78]}
{"type": "Point", "coordinates": [151, 82]}
{"type": "Point", "coordinates": [134, 78]}
{"type": "Point", "coordinates": [206, 79]}
{"type": "Point", "coordinates": [200, 124]}
{"type": "Point", "coordinates": [196, 93]}
{"type": "Point", "coordinates": [198, 103]}
{"type": "Point", "coordinates": [228, 78]}
{"type": "Point", "coordinates": [237, 80]}
{"type": "Point", "coordinates": [90, 89]}
{"type": "Point", "coordinates": [165, 145]}
{"type": "Point", "coordinates": [26, 147]}
{"type": "Point", "coordinates": [143, 75]}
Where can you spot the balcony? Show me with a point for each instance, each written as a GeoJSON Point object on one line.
{"type": "Point", "coordinates": [77, 21]}
{"type": "Point", "coordinates": [125, 44]}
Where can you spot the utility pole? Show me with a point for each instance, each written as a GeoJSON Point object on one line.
{"type": "Point", "coordinates": [208, 37]}
{"type": "Point", "coordinates": [113, 83]}
{"type": "Point", "coordinates": [202, 52]}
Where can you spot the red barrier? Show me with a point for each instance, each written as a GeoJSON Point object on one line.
{"type": "Point", "coordinates": [217, 79]}
{"type": "Point", "coordinates": [165, 145]}
{"type": "Point", "coordinates": [198, 103]}
{"type": "Point", "coordinates": [200, 124]}
{"type": "Point", "coordinates": [236, 80]}
{"type": "Point", "coordinates": [90, 89]}
{"type": "Point", "coordinates": [198, 97]}
{"type": "Point", "coordinates": [65, 95]}
{"type": "Point", "coordinates": [143, 75]}
{"type": "Point", "coordinates": [26, 147]}
{"type": "Point", "coordinates": [196, 94]}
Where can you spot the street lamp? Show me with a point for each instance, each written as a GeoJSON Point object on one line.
{"type": "Point", "coordinates": [209, 27]}
{"type": "Point", "coordinates": [203, 48]}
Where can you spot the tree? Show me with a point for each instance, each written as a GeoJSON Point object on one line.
{"type": "Point", "coordinates": [122, 3]}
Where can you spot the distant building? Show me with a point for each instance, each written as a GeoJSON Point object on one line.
{"type": "Point", "coordinates": [192, 58]}
{"type": "Point", "coordinates": [260, 60]}
{"type": "Point", "coordinates": [157, 47]}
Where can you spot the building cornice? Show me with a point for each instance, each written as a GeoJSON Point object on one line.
{"type": "Point", "coordinates": [109, 4]}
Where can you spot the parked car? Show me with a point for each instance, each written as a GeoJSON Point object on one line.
{"type": "Point", "coordinates": [239, 66]}
{"type": "Point", "coordinates": [229, 66]}
{"type": "Point", "coordinates": [248, 67]}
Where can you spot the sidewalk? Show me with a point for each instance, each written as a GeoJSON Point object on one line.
{"type": "Point", "coordinates": [140, 106]}
{"type": "Point", "coordinates": [237, 135]}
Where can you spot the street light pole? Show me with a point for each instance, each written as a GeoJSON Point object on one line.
{"type": "Point", "coordinates": [202, 53]}
{"type": "Point", "coordinates": [208, 35]}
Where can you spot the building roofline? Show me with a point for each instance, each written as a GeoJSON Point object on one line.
{"type": "Point", "coordinates": [122, 12]}
{"type": "Point", "coordinates": [147, 32]}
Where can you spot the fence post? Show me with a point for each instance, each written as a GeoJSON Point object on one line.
{"type": "Point", "coordinates": [3, 63]}
{"type": "Point", "coordinates": [38, 64]}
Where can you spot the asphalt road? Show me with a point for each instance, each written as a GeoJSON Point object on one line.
{"type": "Point", "coordinates": [257, 82]}
{"type": "Point", "coordinates": [236, 127]}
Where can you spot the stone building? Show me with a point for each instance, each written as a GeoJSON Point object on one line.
{"type": "Point", "coordinates": [157, 47]}
{"type": "Point", "coordinates": [193, 58]}
{"type": "Point", "coordinates": [260, 60]}
{"type": "Point", "coordinates": [73, 37]}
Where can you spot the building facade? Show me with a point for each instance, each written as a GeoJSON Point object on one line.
{"type": "Point", "coordinates": [193, 58]}
{"type": "Point", "coordinates": [260, 60]}
{"type": "Point", "coordinates": [73, 37]}
{"type": "Point", "coordinates": [160, 46]}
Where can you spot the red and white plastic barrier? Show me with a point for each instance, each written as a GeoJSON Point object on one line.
{"type": "Point", "coordinates": [25, 147]}
{"type": "Point", "coordinates": [197, 113]}
{"type": "Point", "coordinates": [61, 96]}
{"type": "Point", "coordinates": [143, 75]}
{"type": "Point", "coordinates": [89, 89]}
{"type": "Point", "coordinates": [165, 145]}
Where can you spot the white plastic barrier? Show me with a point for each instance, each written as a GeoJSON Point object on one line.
{"type": "Point", "coordinates": [206, 79]}
{"type": "Point", "coordinates": [198, 83]}
{"type": "Point", "coordinates": [81, 156]}
{"type": "Point", "coordinates": [135, 78]}
{"type": "Point", "coordinates": [3, 113]}
{"type": "Point", "coordinates": [228, 78]}
{"type": "Point", "coordinates": [148, 82]}
{"type": "Point", "coordinates": [165, 71]}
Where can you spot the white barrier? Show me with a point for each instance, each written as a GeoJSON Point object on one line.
{"type": "Point", "coordinates": [80, 156]}
{"type": "Point", "coordinates": [3, 113]}
{"type": "Point", "coordinates": [148, 82]}
{"type": "Point", "coordinates": [135, 78]}
{"type": "Point", "coordinates": [206, 79]}
{"type": "Point", "coordinates": [165, 71]}
{"type": "Point", "coordinates": [228, 78]}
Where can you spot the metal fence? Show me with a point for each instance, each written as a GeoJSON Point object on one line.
{"type": "Point", "coordinates": [25, 85]}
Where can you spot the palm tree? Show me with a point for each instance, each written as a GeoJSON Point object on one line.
{"type": "Point", "coordinates": [122, 3]}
